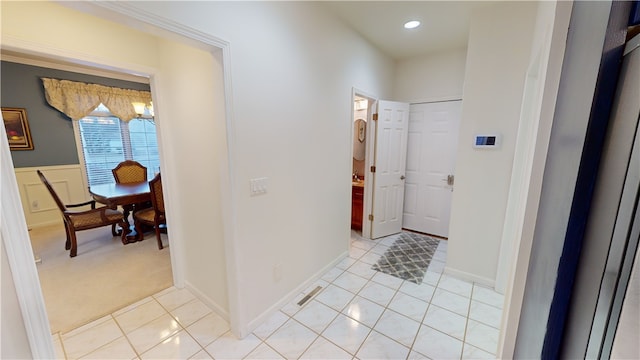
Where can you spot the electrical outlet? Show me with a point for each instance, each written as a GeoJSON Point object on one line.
{"type": "Point", "coordinates": [277, 272]}
{"type": "Point", "coordinates": [258, 186]}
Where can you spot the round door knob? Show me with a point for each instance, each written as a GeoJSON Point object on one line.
{"type": "Point", "coordinates": [402, 177]}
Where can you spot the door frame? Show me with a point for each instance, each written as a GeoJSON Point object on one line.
{"type": "Point", "coordinates": [13, 228]}
{"type": "Point", "coordinates": [368, 157]}
{"type": "Point", "coordinates": [15, 236]}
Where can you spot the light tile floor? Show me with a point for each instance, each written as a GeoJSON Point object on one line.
{"type": "Point", "coordinates": [359, 314]}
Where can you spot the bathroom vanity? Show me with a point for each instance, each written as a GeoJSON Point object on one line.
{"type": "Point", "coordinates": [357, 198]}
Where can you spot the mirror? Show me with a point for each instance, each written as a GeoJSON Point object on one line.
{"type": "Point", "coordinates": [359, 139]}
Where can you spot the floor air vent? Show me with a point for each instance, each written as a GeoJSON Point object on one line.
{"type": "Point", "coordinates": [309, 295]}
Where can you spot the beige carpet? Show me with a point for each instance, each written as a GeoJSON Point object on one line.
{"type": "Point", "coordinates": [104, 277]}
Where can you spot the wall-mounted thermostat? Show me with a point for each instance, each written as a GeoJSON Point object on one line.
{"type": "Point", "coordinates": [487, 141]}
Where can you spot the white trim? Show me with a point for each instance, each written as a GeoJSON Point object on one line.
{"type": "Point", "coordinates": [294, 293]}
{"type": "Point", "coordinates": [83, 60]}
{"type": "Point", "coordinates": [436, 99]}
{"type": "Point", "coordinates": [45, 224]}
{"type": "Point", "coordinates": [59, 65]}
{"type": "Point", "coordinates": [81, 159]}
{"type": "Point", "coordinates": [207, 301]}
{"type": "Point", "coordinates": [229, 220]}
{"type": "Point", "coordinates": [463, 275]}
{"type": "Point", "coordinates": [32, 169]}
{"type": "Point", "coordinates": [31, 187]}
{"type": "Point", "coordinates": [13, 228]}
{"type": "Point", "coordinates": [198, 39]}
{"type": "Point", "coordinates": [177, 247]}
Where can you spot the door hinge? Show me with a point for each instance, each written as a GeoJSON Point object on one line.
{"type": "Point", "coordinates": [450, 180]}
{"type": "Point", "coordinates": [373, 168]}
{"type": "Point", "coordinates": [374, 117]}
{"type": "Point", "coordinates": [370, 217]}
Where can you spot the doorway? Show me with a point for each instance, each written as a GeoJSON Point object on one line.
{"type": "Point", "coordinates": [426, 173]}
{"type": "Point", "coordinates": [106, 276]}
{"type": "Point", "coordinates": [383, 126]}
{"type": "Point", "coordinates": [16, 238]}
{"type": "Point", "coordinates": [359, 160]}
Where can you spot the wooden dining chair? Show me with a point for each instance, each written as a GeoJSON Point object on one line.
{"type": "Point", "coordinates": [84, 219]}
{"type": "Point", "coordinates": [129, 171]}
{"type": "Point", "coordinates": [155, 215]}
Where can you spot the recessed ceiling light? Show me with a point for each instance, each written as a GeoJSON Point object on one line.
{"type": "Point", "coordinates": [411, 24]}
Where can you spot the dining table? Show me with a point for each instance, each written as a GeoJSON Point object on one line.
{"type": "Point", "coordinates": [129, 196]}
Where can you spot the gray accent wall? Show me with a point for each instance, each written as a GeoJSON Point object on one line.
{"type": "Point", "coordinates": [51, 130]}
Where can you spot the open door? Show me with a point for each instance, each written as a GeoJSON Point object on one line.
{"type": "Point", "coordinates": [388, 170]}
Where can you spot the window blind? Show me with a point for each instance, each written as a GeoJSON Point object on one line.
{"type": "Point", "coordinates": [106, 141]}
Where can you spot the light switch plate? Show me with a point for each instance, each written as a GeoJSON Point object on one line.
{"type": "Point", "coordinates": [258, 186]}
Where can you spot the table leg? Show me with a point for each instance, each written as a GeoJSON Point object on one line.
{"type": "Point", "coordinates": [129, 234]}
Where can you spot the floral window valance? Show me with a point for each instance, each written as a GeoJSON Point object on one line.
{"type": "Point", "coordinates": [77, 99]}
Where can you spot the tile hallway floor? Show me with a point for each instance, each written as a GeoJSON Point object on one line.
{"type": "Point", "coordinates": [359, 314]}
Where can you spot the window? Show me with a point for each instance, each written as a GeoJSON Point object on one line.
{"type": "Point", "coordinates": [106, 141]}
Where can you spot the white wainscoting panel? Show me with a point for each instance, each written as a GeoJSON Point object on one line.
{"type": "Point", "coordinates": [39, 207]}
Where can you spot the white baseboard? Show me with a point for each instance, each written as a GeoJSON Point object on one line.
{"type": "Point", "coordinates": [47, 223]}
{"type": "Point", "coordinates": [38, 205]}
{"type": "Point", "coordinates": [253, 324]}
{"type": "Point", "coordinates": [208, 301]}
{"type": "Point", "coordinates": [470, 277]}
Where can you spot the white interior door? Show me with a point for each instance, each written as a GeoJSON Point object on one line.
{"type": "Point", "coordinates": [390, 155]}
{"type": "Point", "coordinates": [431, 152]}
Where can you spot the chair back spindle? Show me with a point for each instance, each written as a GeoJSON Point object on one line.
{"type": "Point", "coordinates": [53, 193]}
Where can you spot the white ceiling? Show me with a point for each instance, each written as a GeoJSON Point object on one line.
{"type": "Point", "coordinates": [445, 24]}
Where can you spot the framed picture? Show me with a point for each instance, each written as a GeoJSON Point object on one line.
{"type": "Point", "coordinates": [17, 127]}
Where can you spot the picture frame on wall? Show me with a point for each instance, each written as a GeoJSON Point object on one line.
{"type": "Point", "coordinates": [17, 127]}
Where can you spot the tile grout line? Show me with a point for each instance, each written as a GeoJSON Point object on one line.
{"type": "Point", "coordinates": [342, 309]}
{"type": "Point", "coordinates": [466, 325]}
{"type": "Point", "coordinates": [162, 340]}
{"type": "Point", "coordinates": [356, 294]}
{"type": "Point", "coordinates": [125, 336]}
{"type": "Point", "coordinates": [410, 348]}
{"type": "Point", "coordinates": [435, 287]}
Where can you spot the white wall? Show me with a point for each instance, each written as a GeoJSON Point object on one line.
{"type": "Point", "coordinates": [432, 77]}
{"type": "Point", "coordinates": [293, 70]}
{"type": "Point", "coordinates": [191, 120]}
{"type": "Point", "coordinates": [497, 61]}
{"type": "Point", "coordinates": [66, 31]}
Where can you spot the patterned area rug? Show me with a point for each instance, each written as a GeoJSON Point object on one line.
{"type": "Point", "coordinates": [409, 257]}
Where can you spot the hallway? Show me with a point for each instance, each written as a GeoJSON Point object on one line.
{"type": "Point", "coordinates": [359, 313]}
